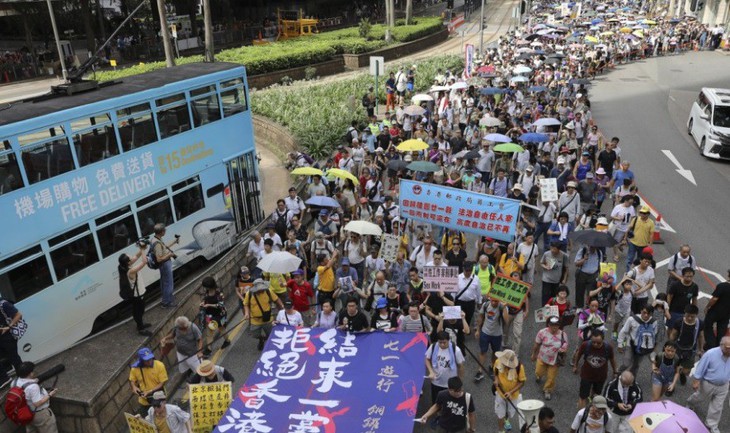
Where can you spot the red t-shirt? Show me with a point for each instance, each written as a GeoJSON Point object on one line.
{"type": "Point", "coordinates": [300, 294]}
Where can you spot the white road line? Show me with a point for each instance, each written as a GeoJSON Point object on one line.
{"type": "Point", "coordinates": [701, 294]}
{"type": "Point", "coordinates": [663, 225]}
{"type": "Point", "coordinates": [672, 98]}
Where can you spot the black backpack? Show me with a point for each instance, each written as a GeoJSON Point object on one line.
{"type": "Point", "coordinates": [126, 291]}
{"type": "Point", "coordinates": [152, 258]}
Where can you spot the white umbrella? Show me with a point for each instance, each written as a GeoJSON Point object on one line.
{"type": "Point", "coordinates": [522, 70]}
{"type": "Point", "coordinates": [459, 85]}
{"type": "Point", "coordinates": [421, 97]}
{"type": "Point", "coordinates": [490, 122]}
{"type": "Point", "coordinates": [546, 121]}
{"type": "Point", "coordinates": [438, 88]}
{"type": "Point", "coordinates": [363, 228]}
{"type": "Point", "coordinates": [279, 262]}
{"type": "Point", "coordinates": [536, 44]}
{"type": "Point", "coordinates": [519, 79]}
{"type": "Point", "coordinates": [414, 110]}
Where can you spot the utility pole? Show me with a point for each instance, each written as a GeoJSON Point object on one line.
{"type": "Point", "coordinates": [64, 72]}
{"type": "Point", "coordinates": [481, 32]}
{"type": "Point", "coordinates": [169, 57]}
{"type": "Point", "coordinates": [208, 22]}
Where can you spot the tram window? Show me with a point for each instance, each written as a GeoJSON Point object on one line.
{"type": "Point", "coordinates": [158, 213]}
{"type": "Point", "coordinates": [205, 110]}
{"type": "Point", "coordinates": [87, 122]}
{"type": "Point", "coordinates": [45, 153]}
{"type": "Point", "coordinates": [19, 257]}
{"type": "Point", "coordinates": [95, 145]}
{"type": "Point", "coordinates": [234, 101]}
{"type": "Point", "coordinates": [202, 90]}
{"type": "Point", "coordinates": [136, 127]}
{"type": "Point", "coordinates": [74, 256]}
{"type": "Point", "coordinates": [25, 280]}
{"type": "Point", "coordinates": [188, 202]}
{"type": "Point", "coordinates": [118, 235]}
{"type": "Point", "coordinates": [10, 178]}
{"type": "Point", "coordinates": [173, 118]}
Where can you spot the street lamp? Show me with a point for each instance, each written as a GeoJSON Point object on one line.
{"type": "Point", "coordinates": [481, 32]}
{"type": "Point", "coordinates": [58, 41]}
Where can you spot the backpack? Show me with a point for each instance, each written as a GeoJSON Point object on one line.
{"type": "Point", "coordinates": [126, 291]}
{"type": "Point", "coordinates": [676, 257]}
{"type": "Point", "coordinates": [152, 258]}
{"type": "Point", "coordinates": [347, 136]}
{"type": "Point", "coordinates": [306, 157]}
{"type": "Point", "coordinates": [16, 405]}
{"type": "Point", "coordinates": [373, 191]}
{"type": "Point", "coordinates": [280, 225]}
{"type": "Point", "coordinates": [645, 336]}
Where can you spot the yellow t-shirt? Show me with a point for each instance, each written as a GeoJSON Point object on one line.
{"type": "Point", "coordinates": [643, 232]}
{"type": "Point", "coordinates": [505, 384]}
{"type": "Point", "coordinates": [508, 266]}
{"type": "Point", "coordinates": [161, 424]}
{"type": "Point", "coordinates": [326, 279]}
{"type": "Point", "coordinates": [255, 313]}
{"type": "Point", "coordinates": [152, 377]}
{"type": "Point", "coordinates": [274, 282]}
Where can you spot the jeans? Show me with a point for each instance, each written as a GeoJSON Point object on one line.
{"type": "Point", "coordinates": [540, 230]}
{"type": "Point", "coordinates": [166, 283]}
{"type": "Point", "coordinates": [137, 304]}
{"type": "Point", "coordinates": [584, 283]}
{"type": "Point", "coordinates": [634, 250]}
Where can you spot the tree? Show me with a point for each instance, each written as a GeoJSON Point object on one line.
{"type": "Point", "coordinates": [169, 57]}
{"type": "Point", "coordinates": [88, 28]}
{"type": "Point", "coordinates": [409, 11]}
{"type": "Point", "coordinates": [208, 22]}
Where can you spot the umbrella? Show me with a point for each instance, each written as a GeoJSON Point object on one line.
{"type": "Point", "coordinates": [459, 85]}
{"type": "Point", "coordinates": [498, 138]}
{"type": "Point", "coordinates": [608, 33]}
{"type": "Point", "coordinates": [596, 21]}
{"type": "Point", "coordinates": [536, 44]}
{"type": "Point", "coordinates": [425, 166]}
{"type": "Point", "coordinates": [438, 89]}
{"type": "Point", "coordinates": [489, 121]}
{"type": "Point", "coordinates": [342, 174]}
{"type": "Point", "coordinates": [363, 228]}
{"type": "Point", "coordinates": [421, 97]}
{"type": "Point", "coordinates": [519, 79]}
{"type": "Point", "coordinates": [625, 30]}
{"type": "Point", "coordinates": [650, 22]}
{"type": "Point", "coordinates": [537, 88]}
{"type": "Point", "coordinates": [533, 36]}
{"type": "Point", "coordinates": [279, 262]}
{"type": "Point", "coordinates": [552, 60]}
{"type": "Point", "coordinates": [534, 137]}
{"type": "Point", "coordinates": [508, 148]}
{"type": "Point", "coordinates": [414, 110]}
{"type": "Point", "coordinates": [546, 121]}
{"type": "Point", "coordinates": [397, 164]}
{"type": "Point", "coordinates": [322, 201]}
{"type": "Point", "coordinates": [308, 171]}
{"type": "Point", "coordinates": [592, 238]}
{"type": "Point", "coordinates": [666, 417]}
{"type": "Point", "coordinates": [491, 91]}
{"type": "Point", "coordinates": [486, 69]}
{"type": "Point", "coordinates": [412, 145]}
{"type": "Point", "coordinates": [579, 81]}
{"type": "Point", "coordinates": [613, 20]}
{"type": "Point", "coordinates": [591, 39]}
{"type": "Point", "coordinates": [556, 56]}
{"type": "Point", "coordinates": [472, 154]}
{"type": "Point", "coordinates": [522, 70]}
{"type": "Point", "coordinates": [487, 74]}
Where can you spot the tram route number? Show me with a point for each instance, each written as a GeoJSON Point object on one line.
{"type": "Point", "coordinates": [183, 156]}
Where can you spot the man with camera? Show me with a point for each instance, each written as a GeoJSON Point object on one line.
{"type": "Point", "coordinates": [164, 256]}
{"type": "Point", "coordinates": [131, 285]}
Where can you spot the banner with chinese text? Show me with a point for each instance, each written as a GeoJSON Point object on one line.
{"type": "Point", "coordinates": [457, 209]}
{"type": "Point", "coordinates": [208, 404]}
{"type": "Point", "coordinates": [510, 291]}
{"type": "Point", "coordinates": [441, 278]}
{"type": "Point", "coordinates": [139, 425]}
{"type": "Point", "coordinates": [318, 380]}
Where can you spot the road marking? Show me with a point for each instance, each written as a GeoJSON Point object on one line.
{"type": "Point", "coordinates": [661, 226]}
{"type": "Point", "coordinates": [681, 170]}
{"type": "Point", "coordinates": [672, 98]}
{"type": "Point", "coordinates": [703, 271]}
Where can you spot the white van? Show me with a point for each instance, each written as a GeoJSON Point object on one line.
{"type": "Point", "coordinates": [709, 123]}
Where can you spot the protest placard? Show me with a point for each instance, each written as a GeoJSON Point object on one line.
{"type": "Point", "coordinates": [542, 314]}
{"type": "Point", "coordinates": [608, 270]}
{"type": "Point", "coordinates": [548, 189]}
{"type": "Point", "coordinates": [452, 312]}
{"type": "Point", "coordinates": [510, 291]}
{"type": "Point", "coordinates": [138, 425]}
{"type": "Point", "coordinates": [444, 278]}
{"type": "Point", "coordinates": [208, 403]}
{"type": "Point", "coordinates": [389, 247]}
{"type": "Point", "coordinates": [346, 284]}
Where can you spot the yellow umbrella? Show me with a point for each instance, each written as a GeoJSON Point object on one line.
{"type": "Point", "coordinates": [625, 30]}
{"type": "Point", "coordinates": [342, 174]}
{"type": "Point", "coordinates": [649, 22]}
{"type": "Point", "coordinates": [412, 145]}
{"type": "Point", "coordinates": [609, 33]}
{"type": "Point", "coordinates": [638, 34]}
{"type": "Point", "coordinates": [591, 39]}
{"type": "Point", "coordinates": [308, 171]}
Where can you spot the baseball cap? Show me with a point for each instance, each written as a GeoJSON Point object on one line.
{"type": "Point", "coordinates": [288, 304]}
{"type": "Point", "coordinates": [345, 261]}
{"type": "Point", "coordinates": [561, 160]}
{"type": "Point", "coordinates": [586, 153]}
{"type": "Point", "coordinates": [298, 272]}
{"type": "Point", "coordinates": [600, 402]}
{"type": "Point", "coordinates": [381, 303]}
{"type": "Point", "coordinates": [530, 168]}
{"type": "Point", "coordinates": [323, 212]}
{"type": "Point", "coordinates": [319, 235]}
{"type": "Point", "coordinates": [245, 270]}
{"type": "Point", "coordinates": [589, 175]}
{"type": "Point", "coordinates": [553, 320]}
{"type": "Point", "coordinates": [145, 354]}
{"type": "Point", "coordinates": [518, 187]}
{"type": "Point", "coordinates": [644, 209]}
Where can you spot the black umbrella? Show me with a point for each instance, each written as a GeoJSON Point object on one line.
{"type": "Point", "coordinates": [397, 164]}
{"type": "Point", "coordinates": [532, 37]}
{"type": "Point", "coordinates": [592, 238]}
{"type": "Point", "coordinates": [472, 154]}
{"type": "Point", "coordinates": [556, 56]}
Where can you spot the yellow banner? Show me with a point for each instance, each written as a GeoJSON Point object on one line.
{"type": "Point", "coordinates": [138, 425]}
{"type": "Point", "coordinates": [208, 404]}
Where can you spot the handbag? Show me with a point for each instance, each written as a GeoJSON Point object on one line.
{"type": "Point", "coordinates": [17, 330]}
{"type": "Point", "coordinates": [612, 228]}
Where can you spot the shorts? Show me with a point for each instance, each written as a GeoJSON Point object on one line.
{"type": "Point", "coordinates": [586, 386]}
{"type": "Point", "coordinates": [487, 341]}
{"type": "Point", "coordinates": [502, 408]}
{"type": "Point", "coordinates": [409, 87]}
{"type": "Point", "coordinates": [661, 380]}
{"type": "Point", "coordinates": [401, 92]}
{"type": "Point", "coordinates": [618, 318]}
{"type": "Point", "coordinates": [187, 362]}
{"type": "Point", "coordinates": [618, 235]}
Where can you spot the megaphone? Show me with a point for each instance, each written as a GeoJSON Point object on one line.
{"type": "Point", "coordinates": [530, 410]}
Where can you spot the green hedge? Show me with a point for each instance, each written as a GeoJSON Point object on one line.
{"type": "Point", "coordinates": [260, 59]}
{"type": "Point", "coordinates": [314, 113]}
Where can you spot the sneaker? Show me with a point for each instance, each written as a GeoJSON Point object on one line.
{"type": "Point", "coordinates": [479, 376]}
{"type": "Point", "coordinates": [683, 378]}
{"type": "Point", "coordinates": [260, 346]}
{"type": "Point", "coordinates": [538, 379]}
{"type": "Point", "coordinates": [226, 343]}
{"type": "Point", "coordinates": [144, 332]}
{"type": "Point", "coordinates": [548, 396]}
{"type": "Point", "coordinates": [166, 306]}
{"type": "Point", "coordinates": [507, 425]}
{"type": "Point", "coordinates": [145, 325]}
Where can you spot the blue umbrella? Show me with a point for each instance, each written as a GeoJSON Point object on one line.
{"type": "Point", "coordinates": [498, 138]}
{"type": "Point", "coordinates": [596, 21]}
{"type": "Point", "coordinates": [322, 201]}
{"type": "Point", "coordinates": [491, 91]}
{"type": "Point", "coordinates": [534, 137]}
{"type": "Point", "coordinates": [424, 166]}
{"type": "Point", "coordinates": [537, 88]}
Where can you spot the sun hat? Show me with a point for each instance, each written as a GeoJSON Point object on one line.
{"type": "Point", "coordinates": [206, 368]}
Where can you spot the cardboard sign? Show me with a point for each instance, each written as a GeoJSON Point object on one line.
{"type": "Point", "coordinates": [138, 425]}
{"type": "Point", "coordinates": [389, 247]}
{"type": "Point", "coordinates": [452, 312]}
{"type": "Point", "coordinates": [608, 270]}
{"type": "Point", "coordinates": [510, 291]}
{"type": "Point", "coordinates": [548, 190]}
{"type": "Point", "coordinates": [346, 284]}
{"type": "Point", "coordinates": [208, 403]}
{"type": "Point", "coordinates": [542, 314]}
{"type": "Point", "coordinates": [441, 278]}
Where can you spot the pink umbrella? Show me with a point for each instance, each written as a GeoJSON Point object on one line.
{"type": "Point", "coordinates": [665, 417]}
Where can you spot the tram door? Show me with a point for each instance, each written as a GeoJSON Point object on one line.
{"type": "Point", "coordinates": [243, 195]}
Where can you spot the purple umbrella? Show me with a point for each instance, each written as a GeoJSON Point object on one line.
{"type": "Point", "coordinates": [665, 417]}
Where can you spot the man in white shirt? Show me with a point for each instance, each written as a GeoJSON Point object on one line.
{"type": "Point", "coordinates": [593, 419]}
{"type": "Point", "coordinates": [423, 254]}
{"type": "Point", "coordinates": [255, 246]}
{"type": "Point", "coordinates": [438, 259]}
{"type": "Point", "coordinates": [294, 203]}
{"type": "Point", "coordinates": [485, 162]}
{"type": "Point", "coordinates": [44, 421]}
{"type": "Point", "coordinates": [469, 291]}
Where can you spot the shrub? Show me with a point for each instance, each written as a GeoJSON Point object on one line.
{"type": "Point", "coordinates": [310, 73]}
{"type": "Point", "coordinates": [364, 28]}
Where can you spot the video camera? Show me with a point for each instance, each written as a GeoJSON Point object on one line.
{"type": "Point", "coordinates": [143, 242]}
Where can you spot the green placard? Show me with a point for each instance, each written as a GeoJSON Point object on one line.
{"type": "Point", "coordinates": [510, 291]}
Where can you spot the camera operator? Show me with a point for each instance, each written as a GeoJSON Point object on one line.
{"type": "Point", "coordinates": [131, 285]}
{"type": "Point", "coordinates": [163, 256]}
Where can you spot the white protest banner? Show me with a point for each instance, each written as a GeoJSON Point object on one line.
{"type": "Point", "coordinates": [548, 190]}
{"type": "Point", "coordinates": [444, 278]}
{"type": "Point", "coordinates": [452, 312]}
{"type": "Point", "coordinates": [389, 247]}
{"type": "Point", "coordinates": [542, 314]}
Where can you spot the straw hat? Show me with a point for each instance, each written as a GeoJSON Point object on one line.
{"type": "Point", "coordinates": [206, 368]}
{"type": "Point", "coordinates": [507, 358]}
